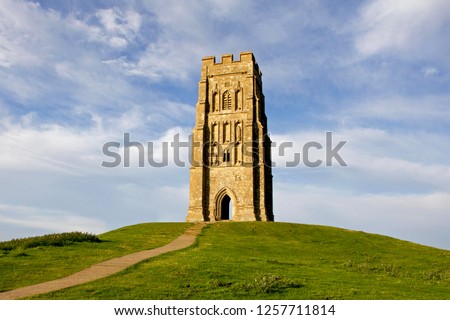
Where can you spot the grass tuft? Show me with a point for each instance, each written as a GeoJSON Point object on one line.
{"type": "Point", "coordinates": [55, 239]}
{"type": "Point", "coordinates": [268, 284]}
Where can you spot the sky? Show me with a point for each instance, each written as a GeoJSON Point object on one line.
{"type": "Point", "coordinates": [75, 75]}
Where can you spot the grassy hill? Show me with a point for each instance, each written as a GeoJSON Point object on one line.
{"type": "Point", "coordinates": [28, 264]}
{"type": "Point", "coordinates": [251, 260]}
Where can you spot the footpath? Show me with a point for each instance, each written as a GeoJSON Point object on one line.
{"type": "Point", "coordinates": [105, 268]}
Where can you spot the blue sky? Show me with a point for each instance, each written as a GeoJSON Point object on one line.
{"type": "Point", "coordinates": [76, 74]}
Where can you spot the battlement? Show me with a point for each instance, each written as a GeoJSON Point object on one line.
{"type": "Point", "coordinates": [228, 59]}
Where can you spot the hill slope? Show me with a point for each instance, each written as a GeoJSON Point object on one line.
{"type": "Point", "coordinates": [27, 265]}
{"type": "Point", "coordinates": [253, 260]}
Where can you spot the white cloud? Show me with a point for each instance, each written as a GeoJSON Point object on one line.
{"type": "Point", "coordinates": [401, 25]}
{"type": "Point", "coordinates": [424, 110]}
{"type": "Point", "coordinates": [118, 42]}
{"type": "Point", "coordinates": [56, 181]}
{"type": "Point", "coordinates": [379, 161]}
{"type": "Point", "coordinates": [21, 27]}
{"type": "Point", "coordinates": [52, 220]}
{"type": "Point", "coordinates": [422, 218]}
{"type": "Point", "coordinates": [28, 146]}
{"type": "Point", "coordinates": [430, 71]}
{"type": "Point", "coordinates": [52, 59]}
{"type": "Point", "coordinates": [118, 28]}
{"type": "Point", "coordinates": [115, 21]}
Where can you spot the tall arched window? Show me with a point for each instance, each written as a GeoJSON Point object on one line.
{"type": "Point", "coordinates": [226, 105]}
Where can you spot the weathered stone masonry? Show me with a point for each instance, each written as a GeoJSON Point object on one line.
{"type": "Point", "coordinates": [231, 161]}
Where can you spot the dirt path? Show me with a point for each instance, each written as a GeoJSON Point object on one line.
{"type": "Point", "coordinates": [105, 268]}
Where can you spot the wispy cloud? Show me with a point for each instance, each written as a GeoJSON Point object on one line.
{"type": "Point", "coordinates": [401, 26]}
{"type": "Point", "coordinates": [411, 217]}
{"type": "Point", "coordinates": [422, 111]}
{"type": "Point", "coordinates": [44, 219]}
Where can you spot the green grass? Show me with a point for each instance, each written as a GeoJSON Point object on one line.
{"type": "Point", "coordinates": [280, 261]}
{"type": "Point", "coordinates": [33, 260]}
{"type": "Point", "coordinates": [55, 239]}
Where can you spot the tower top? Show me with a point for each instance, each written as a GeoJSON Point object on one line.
{"type": "Point", "coordinates": [246, 56]}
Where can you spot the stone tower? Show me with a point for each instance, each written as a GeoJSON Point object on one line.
{"type": "Point", "coordinates": [230, 175]}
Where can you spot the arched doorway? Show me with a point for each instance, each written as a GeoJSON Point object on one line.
{"type": "Point", "coordinates": [225, 204]}
{"type": "Point", "coordinates": [226, 208]}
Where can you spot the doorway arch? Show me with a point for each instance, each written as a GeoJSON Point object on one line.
{"type": "Point", "coordinates": [225, 205]}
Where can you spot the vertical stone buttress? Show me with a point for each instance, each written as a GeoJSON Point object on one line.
{"type": "Point", "coordinates": [230, 147]}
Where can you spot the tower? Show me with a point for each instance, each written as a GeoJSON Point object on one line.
{"type": "Point", "coordinates": [230, 174]}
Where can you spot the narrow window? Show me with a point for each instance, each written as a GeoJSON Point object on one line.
{"type": "Point", "coordinates": [226, 101]}
{"type": "Point", "coordinates": [226, 155]}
